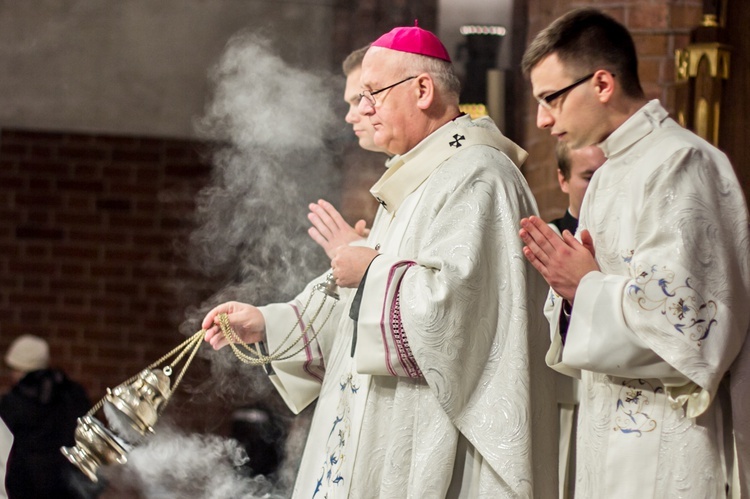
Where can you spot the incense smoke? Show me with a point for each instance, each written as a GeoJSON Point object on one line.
{"type": "Point", "coordinates": [170, 465]}
{"type": "Point", "coordinates": [272, 124]}
{"type": "Point", "coordinates": [272, 128]}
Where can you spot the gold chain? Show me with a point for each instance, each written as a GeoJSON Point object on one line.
{"type": "Point", "coordinates": [254, 356]}
{"type": "Point", "coordinates": [192, 343]}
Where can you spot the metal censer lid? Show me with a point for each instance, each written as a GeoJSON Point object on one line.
{"type": "Point", "coordinates": [132, 410]}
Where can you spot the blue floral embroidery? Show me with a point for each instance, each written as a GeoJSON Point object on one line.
{"type": "Point", "coordinates": [337, 437]}
{"type": "Point", "coordinates": [631, 417]}
{"type": "Point", "coordinates": [685, 309]}
{"type": "Point", "coordinates": [627, 256]}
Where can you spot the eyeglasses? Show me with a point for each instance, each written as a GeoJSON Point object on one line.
{"type": "Point", "coordinates": [546, 101]}
{"type": "Point", "coordinates": [370, 94]}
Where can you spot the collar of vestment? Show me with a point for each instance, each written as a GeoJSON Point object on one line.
{"type": "Point", "coordinates": [642, 123]}
{"type": "Point", "coordinates": [408, 171]}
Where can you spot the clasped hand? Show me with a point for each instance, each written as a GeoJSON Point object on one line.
{"type": "Point", "coordinates": [562, 261]}
{"type": "Point", "coordinates": [350, 264]}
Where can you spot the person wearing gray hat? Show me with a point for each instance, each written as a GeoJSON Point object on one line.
{"type": "Point", "coordinates": [27, 353]}
{"type": "Point", "coordinates": [40, 410]}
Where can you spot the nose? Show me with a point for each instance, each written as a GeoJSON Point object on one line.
{"type": "Point", "coordinates": [544, 118]}
{"type": "Point", "coordinates": [365, 107]}
{"type": "Point", "coordinates": [353, 115]}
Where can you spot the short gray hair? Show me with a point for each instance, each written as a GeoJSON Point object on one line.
{"type": "Point", "coordinates": [442, 72]}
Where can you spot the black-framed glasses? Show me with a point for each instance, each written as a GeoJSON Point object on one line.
{"type": "Point", "coordinates": [546, 101]}
{"type": "Point", "coordinates": [370, 94]}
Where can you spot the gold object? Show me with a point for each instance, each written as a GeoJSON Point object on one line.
{"type": "Point", "coordinates": [133, 407]}
{"type": "Point", "coordinates": [141, 401]}
{"type": "Point", "coordinates": [137, 403]}
{"type": "Point", "coordinates": [474, 110]}
{"type": "Point", "coordinates": [710, 21]}
{"type": "Point", "coordinates": [688, 60]}
{"type": "Point", "coordinates": [95, 446]}
{"type": "Point", "coordinates": [254, 355]}
{"type": "Point", "coordinates": [700, 69]}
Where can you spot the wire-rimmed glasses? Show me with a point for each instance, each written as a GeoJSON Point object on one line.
{"type": "Point", "coordinates": [370, 94]}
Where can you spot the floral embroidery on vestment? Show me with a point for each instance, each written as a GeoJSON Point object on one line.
{"type": "Point", "coordinates": [627, 255]}
{"type": "Point", "coordinates": [333, 461]}
{"type": "Point", "coordinates": [633, 401]}
{"type": "Point", "coordinates": [552, 298]}
{"type": "Point", "coordinates": [684, 307]}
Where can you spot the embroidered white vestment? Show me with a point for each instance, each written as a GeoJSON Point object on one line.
{"type": "Point", "coordinates": [447, 378]}
{"type": "Point", "coordinates": [654, 333]}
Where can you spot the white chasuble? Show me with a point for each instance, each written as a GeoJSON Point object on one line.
{"type": "Point", "coordinates": [442, 391]}
{"type": "Point", "coordinates": [655, 333]}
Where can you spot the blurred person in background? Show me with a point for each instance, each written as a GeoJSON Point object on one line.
{"type": "Point", "coordinates": [575, 167]}
{"type": "Point", "coordinates": [40, 411]}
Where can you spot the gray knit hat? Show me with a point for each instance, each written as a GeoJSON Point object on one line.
{"type": "Point", "coordinates": [28, 353]}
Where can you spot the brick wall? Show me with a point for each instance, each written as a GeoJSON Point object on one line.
{"type": "Point", "coordinates": [658, 28]}
{"type": "Point", "coordinates": [87, 236]}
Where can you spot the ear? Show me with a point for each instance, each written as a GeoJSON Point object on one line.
{"type": "Point", "coordinates": [426, 91]}
{"type": "Point", "coordinates": [605, 83]}
{"type": "Point", "coordinates": [561, 180]}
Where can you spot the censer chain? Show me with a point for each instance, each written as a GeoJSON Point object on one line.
{"type": "Point", "coordinates": [255, 357]}
{"type": "Point", "coordinates": [192, 343]}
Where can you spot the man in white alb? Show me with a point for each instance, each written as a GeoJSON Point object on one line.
{"type": "Point", "coordinates": [650, 304]}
